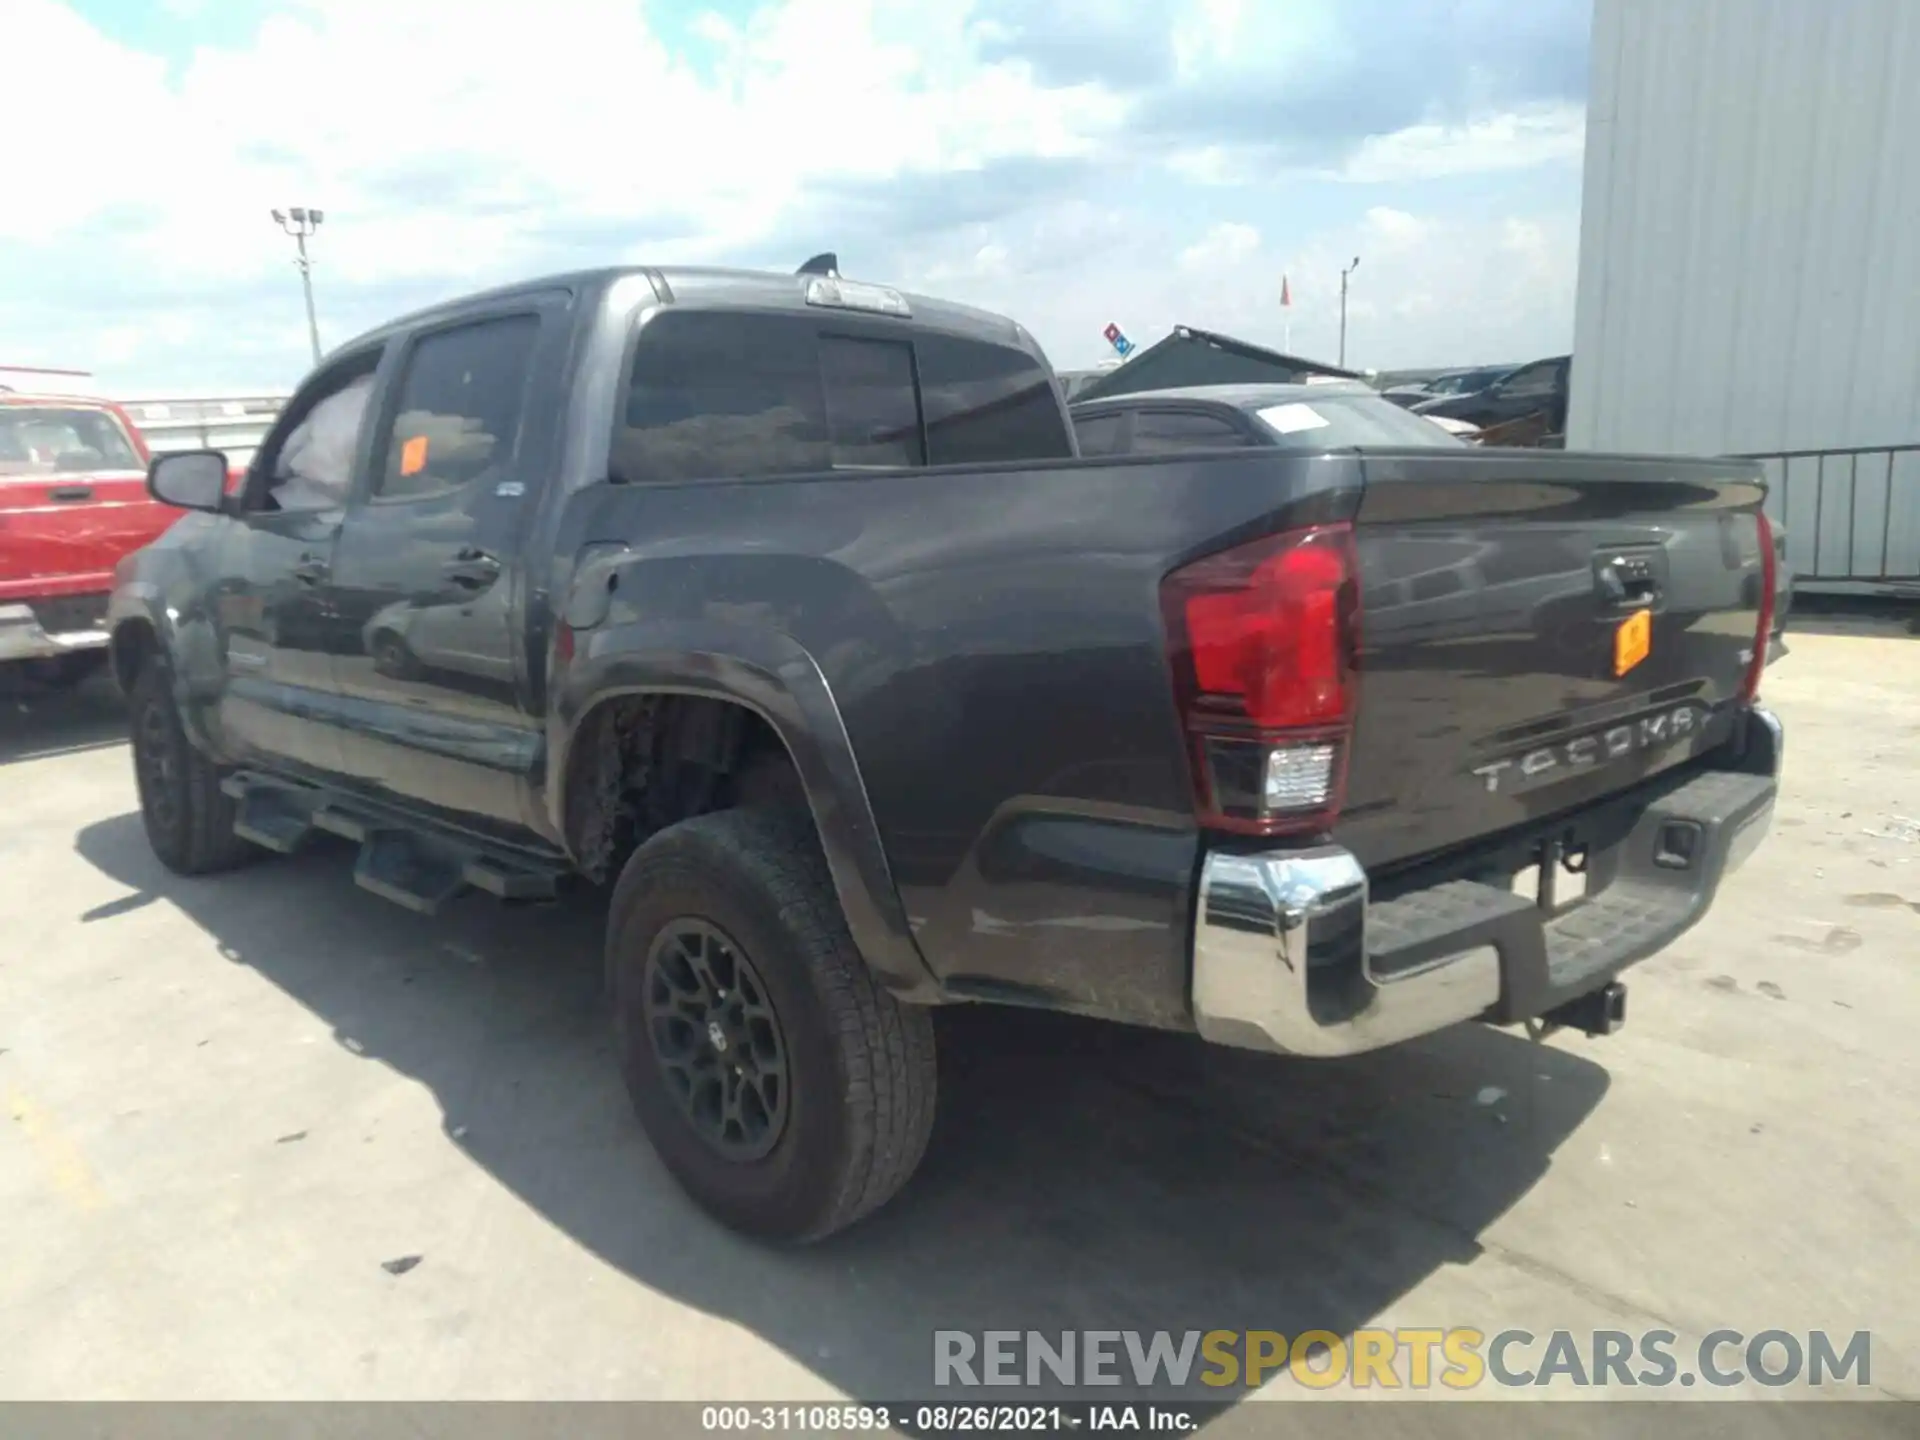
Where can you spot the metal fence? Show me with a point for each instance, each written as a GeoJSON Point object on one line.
{"type": "Point", "coordinates": [1852, 516]}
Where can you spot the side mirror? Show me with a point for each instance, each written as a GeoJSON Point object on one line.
{"type": "Point", "coordinates": [189, 480]}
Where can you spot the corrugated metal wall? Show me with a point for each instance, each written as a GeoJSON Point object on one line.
{"type": "Point", "coordinates": [1750, 256]}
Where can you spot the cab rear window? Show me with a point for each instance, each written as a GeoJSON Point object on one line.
{"type": "Point", "coordinates": [719, 395]}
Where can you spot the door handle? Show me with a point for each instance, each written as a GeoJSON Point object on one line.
{"type": "Point", "coordinates": [1628, 581]}
{"type": "Point", "coordinates": [474, 568]}
{"type": "Point", "coordinates": [310, 568]}
{"type": "Point", "coordinates": [69, 493]}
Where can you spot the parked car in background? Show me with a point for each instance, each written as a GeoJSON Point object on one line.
{"type": "Point", "coordinates": [1534, 392]}
{"type": "Point", "coordinates": [1454, 382]}
{"type": "Point", "coordinates": [1465, 382]}
{"type": "Point", "coordinates": [1407, 396]}
{"type": "Point", "coordinates": [1279, 417]}
{"type": "Point", "coordinates": [73, 502]}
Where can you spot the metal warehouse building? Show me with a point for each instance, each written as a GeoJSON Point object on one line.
{"type": "Point", "coordinates": [1750, 261]}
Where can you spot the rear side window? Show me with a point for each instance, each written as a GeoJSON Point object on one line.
{"type": "Point", "coordinates": [716, 395]}
{"type": "Point", "coordinates": [988, 403]}
{"type": "Point", "coordinates": [873, 414]}
{"type": "Point", "coordinates": [1168, 432]}
{"type": "Point", "coordinates": [1098, 434]}
{"type": "Point", "coordinates": [457, 416]}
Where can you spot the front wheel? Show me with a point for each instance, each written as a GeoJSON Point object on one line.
{"type": "Point", "coordinates": [786, 1091]}
{"type": "Point", "coordinates": [189, 821]}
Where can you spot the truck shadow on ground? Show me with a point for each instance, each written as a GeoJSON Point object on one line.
{"type": "Point", "coordinates": [1081, 1175]}
{"type": "Point", "coordinates": [36, 722]}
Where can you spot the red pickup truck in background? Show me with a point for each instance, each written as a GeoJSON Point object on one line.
{"type": "Point", "coordinates": [73, 501]}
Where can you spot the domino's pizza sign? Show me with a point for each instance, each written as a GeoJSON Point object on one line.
{"type": "Point", "coordinates": [1117, 338]}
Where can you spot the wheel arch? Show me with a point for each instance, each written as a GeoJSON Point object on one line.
{"type": "Point", "coordinates": [131, 646]}
{"type": "Point", "coordinates": [780, 690]}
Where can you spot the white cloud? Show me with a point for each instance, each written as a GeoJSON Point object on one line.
{"type": "Point", "coordinates": [356, 105]}
{"type": "Point", "coordinates": [412, 123]}
{"type": "Point", "coordinates": [1228, 243]}
{"type": "Point", "coordinates": [1210, 37]}
{"type": "Point", "coordinates": [1517, 140]}
{"type": "Point", "coordinates": [1537, 135]}
{"type": "Point", "coordinates": [1384, 228]}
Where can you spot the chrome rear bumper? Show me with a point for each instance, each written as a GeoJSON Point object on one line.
{"type": "Point", "coordinates": [1293, 954]}
{"type": "Point", "coordinates": [1264, 920]}
{"type": "Point", "coordinates": [23, 638]}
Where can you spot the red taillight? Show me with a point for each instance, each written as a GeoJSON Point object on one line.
{"type": "Point", "coordinates": [1262, 640]}
{"type": "Point", "coordinates": [1763, 634]}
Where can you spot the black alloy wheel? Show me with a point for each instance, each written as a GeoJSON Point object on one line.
{"type": "Point", "coordinates": [716, 1038]}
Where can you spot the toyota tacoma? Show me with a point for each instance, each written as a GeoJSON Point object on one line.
{"type": "Point", "coordinates": [787, 610]}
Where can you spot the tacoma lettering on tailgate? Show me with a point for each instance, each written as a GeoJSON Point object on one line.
{"type": "Point", "coordinates": [1547, 763]}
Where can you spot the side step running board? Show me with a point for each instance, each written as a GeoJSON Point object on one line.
{"type": "Point", "coordinates": [419, 869]}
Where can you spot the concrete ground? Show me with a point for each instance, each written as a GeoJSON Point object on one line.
{"type": "Point", "coordinates": [227, 1103]}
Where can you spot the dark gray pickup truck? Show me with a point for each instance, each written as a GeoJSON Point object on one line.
{"type": "Point", "coordinates": [788, 610]}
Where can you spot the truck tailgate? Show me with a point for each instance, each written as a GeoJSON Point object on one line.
{"type": "Point", "coordinates": [1538, 631]}
{"type": "Point", "coordinates": [63, 534]}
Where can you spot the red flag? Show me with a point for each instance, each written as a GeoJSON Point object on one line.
{"type": "Point", "coordinates": [1286, 295]}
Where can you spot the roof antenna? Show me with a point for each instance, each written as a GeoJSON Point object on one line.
{"type": "Point", "coordinates": [826, 263]}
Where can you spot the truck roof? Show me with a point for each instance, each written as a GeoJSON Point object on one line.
{"type": "Point", "coordinates": [87, 402]}
{"type": "Point", "coordinates": [718, 286]}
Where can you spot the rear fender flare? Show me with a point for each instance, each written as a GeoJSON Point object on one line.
{"type": "Point", "coordinates": [772, 675]}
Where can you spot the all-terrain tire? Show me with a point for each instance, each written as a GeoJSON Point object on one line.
{"type": "Point", "coordinates": [189, 822]}
{"type": "Point", "coordinates": [860, 1100]}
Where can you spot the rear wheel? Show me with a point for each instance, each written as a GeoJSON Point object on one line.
{"type": "Point", "coordinates": [391, 656]}
{"type": "Point", "coordinates": [189, 821]}
{"type": "Point", "coordinates": [788, 1093]}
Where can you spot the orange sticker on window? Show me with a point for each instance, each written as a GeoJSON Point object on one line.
{"type": "Point", "coordinates": [1632, 641]}
{"type": "Point", "coordinates": [413, 456]}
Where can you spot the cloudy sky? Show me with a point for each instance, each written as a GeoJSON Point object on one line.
{"type": "Point", "coordinates": [1068, 162]}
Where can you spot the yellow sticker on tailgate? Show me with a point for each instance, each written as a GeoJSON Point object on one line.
{"type": "Point", "coordinates": [1632, 641]}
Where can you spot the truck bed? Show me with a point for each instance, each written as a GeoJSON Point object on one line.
{"type": "Point", "coordinates": [996, 645]}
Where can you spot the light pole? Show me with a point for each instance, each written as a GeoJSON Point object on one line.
{"type": "Point", "coordinates": [1343, 309]}
{"type": "Point", "coordinates": [300, 223]}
